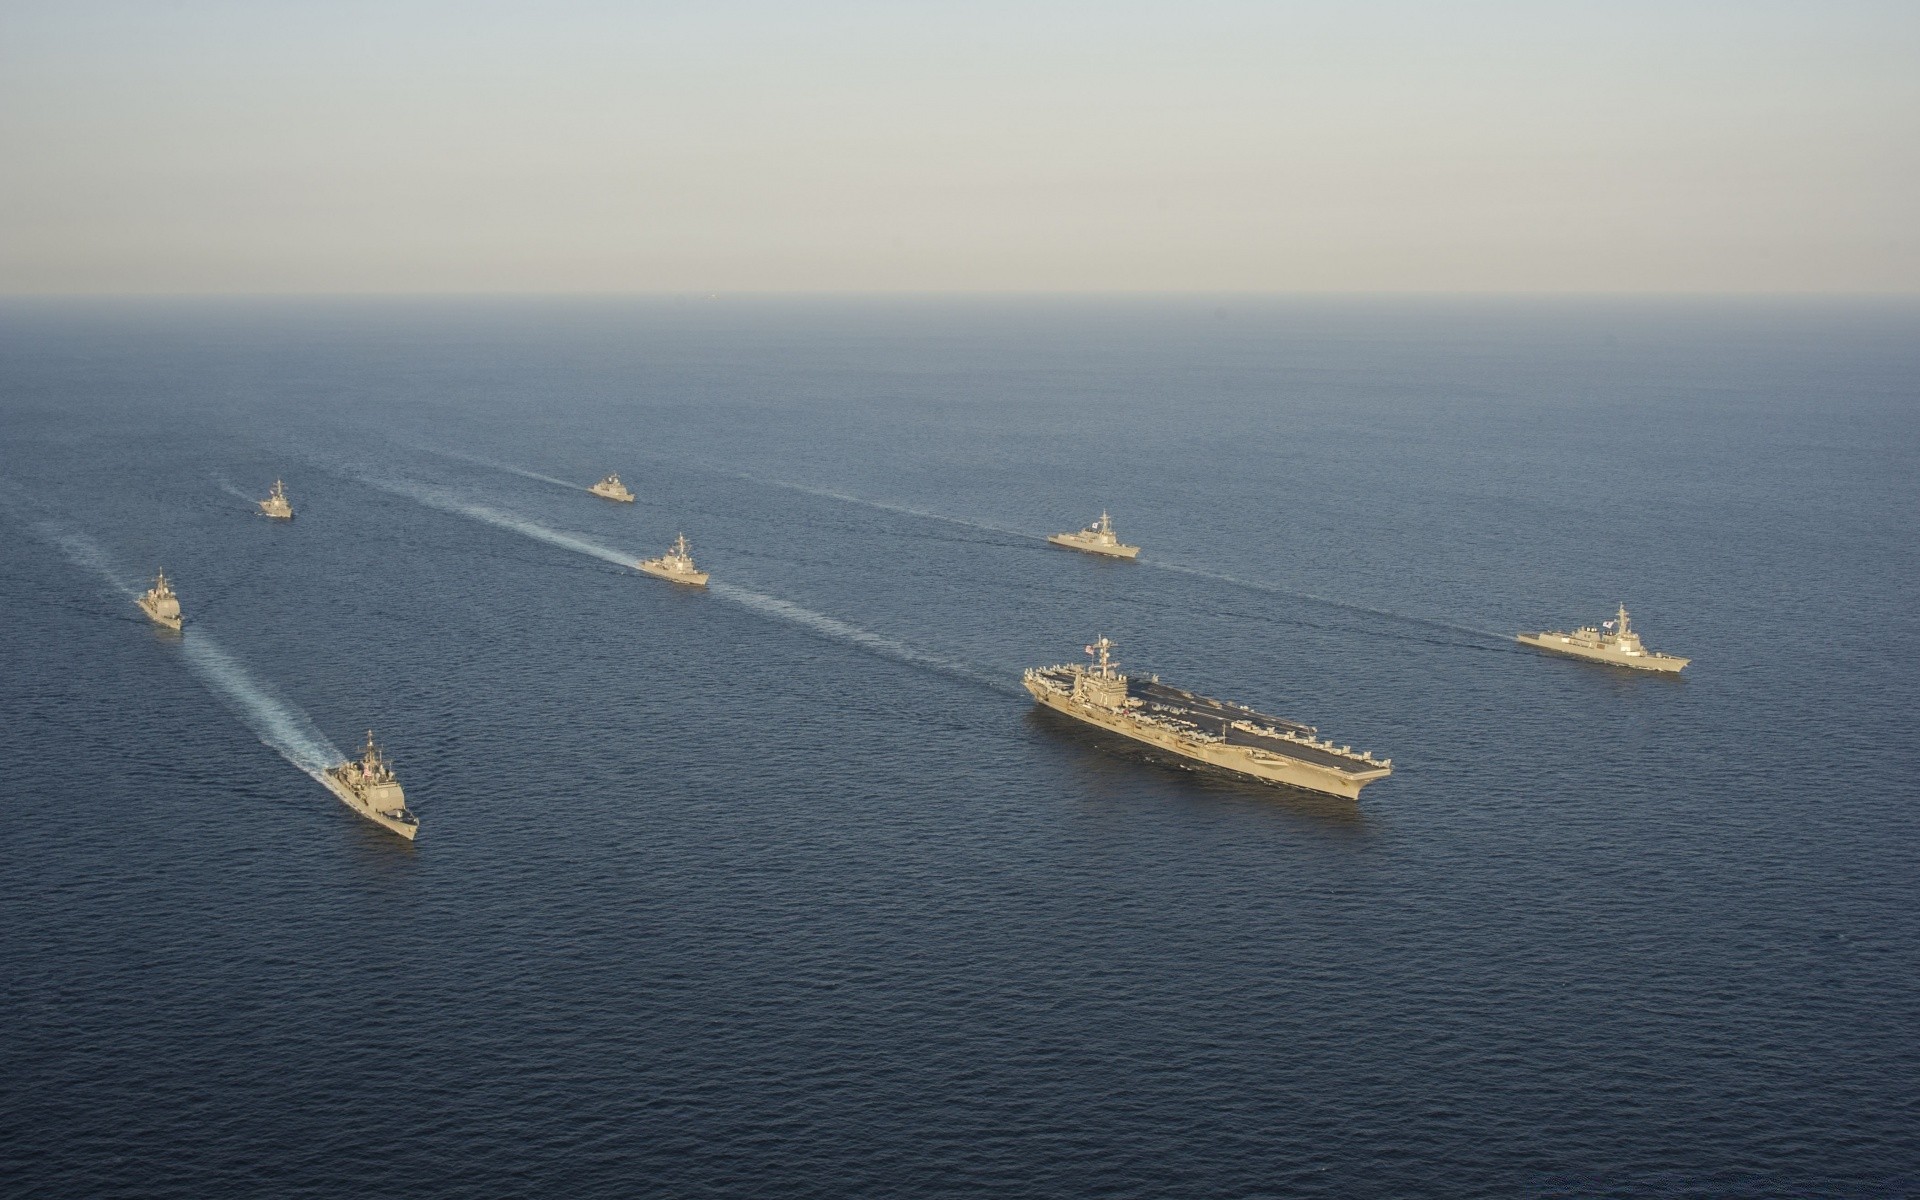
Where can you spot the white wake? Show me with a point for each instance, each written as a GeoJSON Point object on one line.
{"type": "Point", "coordinates": [756, 602]}
{"type": "Point", "coordinates": [513, 523]}
{"type": "Point", "coordinates": [278, 724]}
{"type": "Point", "coordinates": [852, 635]}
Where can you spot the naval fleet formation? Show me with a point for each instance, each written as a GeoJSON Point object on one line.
{"type": "Point", "coordinates": [1216, 733]}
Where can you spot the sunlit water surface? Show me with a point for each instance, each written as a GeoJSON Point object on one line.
{"type": "Point", "coordinates": [783, 889]}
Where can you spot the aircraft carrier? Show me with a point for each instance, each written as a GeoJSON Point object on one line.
{"type": "Point", "coordinates": [1217, 733]}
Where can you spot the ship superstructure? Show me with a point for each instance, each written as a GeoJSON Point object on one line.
{"type": "Point", "coordinates": [276, 505]}
{"type": "Point", "coordinates": [1613, 642]}
{"type": "Point", "coordinates": [612, 489]}
{"type": "Point", "coordinates": [1220, 734]}
{"type": "Point", "coordinates": [161, 605]}
{"type": "Point", "coordinates": [675, 565]}
{"type": "Point", "coordinates": [1097, 538]}
{"type": "Point", "coordinates": [368, 786]}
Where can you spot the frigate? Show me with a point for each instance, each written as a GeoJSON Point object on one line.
{"type": "Point", "coordinates": [612, 489]}
{"type": "Point", "coordinates": [1097, 538]}
{"type": "Point", "coordinates": [276, 505]}
{"type": "Point", "coordinates": [368, 787]}
{"type": "Point", "coordinates": [1614, 643]}
{"type": "Point", "coordinates": [160, 604]}
{"type": "Point", "coordinates": [675, 565]}
{"type": "Point", "coordinates": [1217, 733]}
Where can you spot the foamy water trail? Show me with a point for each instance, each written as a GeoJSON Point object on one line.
{"type": "Point", "coordinates": [864, 639]}
{"type": "Point", "coordinates": [278, 724]}
{"type": "Point", "coordinates": [1198, 572]}
{"type": "Point", "coordinates": [273, 720]}
{"type": "Point", "coordinates": [507, 467]}
{"type": "Point", "coordinates": [755, 602]}
{"type": "Point", "coordinates": [882, 505]}
{"type": "Point", "coordinates": [1328, 601]}
{"type": "Point", "coordinates": [83, 551]}
{"type": "Point", "coordinates": [513, 523]}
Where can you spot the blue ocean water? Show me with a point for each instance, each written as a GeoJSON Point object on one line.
{"type": "Point", "coordinates": [785, 889]}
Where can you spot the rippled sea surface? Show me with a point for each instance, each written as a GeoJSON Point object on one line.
{"type": "Point", "coordinates": [784, 889]}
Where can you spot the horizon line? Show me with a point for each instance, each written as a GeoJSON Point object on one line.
{"type": "Point", "coordinates": [973, 293]}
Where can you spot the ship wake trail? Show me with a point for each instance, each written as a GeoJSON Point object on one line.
{"type": "Point", "coordinates": [278, 724]}
{"type": "Point", "coordinates": [837, 630]}
{"type": "Point", "coordinates": [1327, 601]}
{"type": "Point", "coordinates": [83, 551]}
{"type": "Point", "coordinates": [756, 602]}
{"type": "Point", "coordinates": [512, 523]}
{"type": "Point", "coordinates": [1254, 585]}
{"type": "Point", "coordinates": [507, 467]}
{"type": "Point", "coordinates": [226, 486]}
{"type": "Point", "coordinates": [883, 506]}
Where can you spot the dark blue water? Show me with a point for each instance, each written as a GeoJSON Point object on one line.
{"type": "Point", "coordinates": [784, 889]}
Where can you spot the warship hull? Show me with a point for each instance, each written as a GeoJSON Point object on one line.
{"type": "Point", "coordinates": [627, 499]}
{"type": "Point", "coordinates": [161, 619]}
{"type": "Point", "coordinates": [1265, 749]}
{"type": "Point", "coordinates": [353, 800]}
{"type": "Point", "coordinates": [1560, 643]}
{"type": "Point", "coordinates": [275, 514]}
{"type": "Point", "coordinates": [1071, 542]}
{"type": "Point", "coordinates": [685, 578]}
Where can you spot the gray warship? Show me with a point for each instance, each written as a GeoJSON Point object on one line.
{"type": "Point", "coordinates": [1228, 736]}
{"type": "Point", "coordinates": [1614, 643]}
{"type": "Point", "coordinates": [161, 605]}
{"type": "Point", "coordinates": [612, 489]}
{"type": "Point", "coordinates": [276, 505]}
{"type": "Point", "coordinates": [368, 787]}
{"type": "Point", "coordinates": [1097, 538]}
{"type": "Point", "coordinates": [675, 565]}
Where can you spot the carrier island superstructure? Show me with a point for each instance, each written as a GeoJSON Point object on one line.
{"type": "Point", "coordinates": [368, 787]}
{"type": "Point", "coordinates": [1214, 732]}
{"type": "Point", "coordinates": [1614, 643]}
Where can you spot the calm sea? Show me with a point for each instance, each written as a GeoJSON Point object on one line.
{"type": "Point", "coordinates": [784, 889]}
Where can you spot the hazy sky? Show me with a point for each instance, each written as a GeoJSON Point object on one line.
{"type": "Point", "coordinates": [406, 146]}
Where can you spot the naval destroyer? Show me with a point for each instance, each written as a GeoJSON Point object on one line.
{"type": "Point", "coordinates": [1614, 642]}
{"type": "Point", "coordinates": [161, 605]}
{"type": "Point", "coordinates": [276, 505]}
{"type": "Point", "coordinates": [1097, 538]}
{"type": "Point", "coordinates": [1215, 732]}
{"type": "Point", "coordinates": [612, 489]}
{"type": "Point", "coordinates": [676, 565]}
{"type": "Point", "coordinates": [368, 787]}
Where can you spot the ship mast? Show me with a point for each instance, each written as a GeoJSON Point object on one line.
{"type": "Point", "coordinates": [1623, 630]}
{"type": "Point", "coordinates": [1103, 662]}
